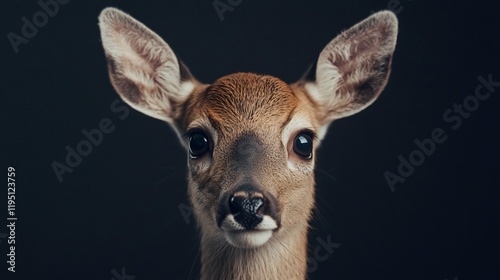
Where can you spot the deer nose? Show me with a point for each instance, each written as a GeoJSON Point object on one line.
{"type": "Point", "coordinates": [245, 208]}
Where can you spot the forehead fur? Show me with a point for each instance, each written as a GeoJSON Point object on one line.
{"type": "Point", "coordinates": [248, 101]}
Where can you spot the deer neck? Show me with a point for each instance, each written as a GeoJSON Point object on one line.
{"type": "Point", "coordinates": [279, 258]}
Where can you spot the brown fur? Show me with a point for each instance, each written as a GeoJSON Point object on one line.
{"type": "Point", "coordinates": [237, 104]}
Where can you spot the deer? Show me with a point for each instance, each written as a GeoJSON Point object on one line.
{"type": "Point", "coordinates": [250, 139]}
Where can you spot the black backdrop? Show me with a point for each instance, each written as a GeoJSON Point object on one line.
{"type": "Point", "coordinates": [123, 209]}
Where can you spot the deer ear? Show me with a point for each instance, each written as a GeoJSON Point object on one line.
{"type": "Point", "coordinates": [354, 67]}
{"type": "Point", "coordinates": [143, 68]}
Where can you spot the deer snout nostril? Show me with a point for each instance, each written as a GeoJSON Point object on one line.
{"type": "Point", "coordinates": [246, 210]}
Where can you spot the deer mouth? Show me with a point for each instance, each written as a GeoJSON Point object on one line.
{"type": "Point", "coordinates": [248, 216]}
{"type": "Point", "coordinates": [242, 237]}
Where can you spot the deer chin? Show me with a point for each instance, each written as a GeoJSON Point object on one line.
{"type": "Point", "coordinates": [248, 239]}
{"type": "Point", "coordinates": [240, 237]}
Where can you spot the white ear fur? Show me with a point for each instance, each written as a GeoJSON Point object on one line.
{"type": "Point", "coordinates": [143, 68]}
{"type": "Point", "coordinates": [354, 67]}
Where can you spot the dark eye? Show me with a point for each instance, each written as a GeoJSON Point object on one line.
{"type": "Point", "coordinates": [303, 145]}
{"type": "Point", "coordinates": [198, 144]}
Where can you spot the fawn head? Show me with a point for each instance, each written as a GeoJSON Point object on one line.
{"type": "Point", "coordinates": [250, 139]}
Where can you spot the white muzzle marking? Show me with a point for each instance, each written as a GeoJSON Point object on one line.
{"type": "Point", "coordinates": [240, 237]}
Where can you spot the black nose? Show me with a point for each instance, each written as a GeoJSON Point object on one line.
{"type": "Point", "coordinates": [245, 208]}
{"type": "Point", "coordinates": [248, 204]}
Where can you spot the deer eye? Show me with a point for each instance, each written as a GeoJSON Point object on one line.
{"type": "Point", "coordinates": [198, 144]}
{"type": "Point", "coordinates": [303, 145]}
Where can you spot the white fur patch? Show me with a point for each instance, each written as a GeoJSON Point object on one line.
{"type": "Point", "coordinates": [240, 237]}
{"type": "Point", "coordinates": [230, 224]}
{"type": "Point", "coordinates": [248, 238]}
{"type": "Point", "coordinates": [186, 89]}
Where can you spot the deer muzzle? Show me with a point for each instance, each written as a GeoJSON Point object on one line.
{"type": "Point", "coordinates": [248, 216]}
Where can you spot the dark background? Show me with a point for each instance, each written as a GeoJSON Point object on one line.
{"type": "Point", "coordinates": [119, 208]}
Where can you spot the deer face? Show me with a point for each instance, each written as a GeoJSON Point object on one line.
{"type": "Point", "coordinates": [250, 138]}
{"type": "Point", "coordinates": [251, 142]}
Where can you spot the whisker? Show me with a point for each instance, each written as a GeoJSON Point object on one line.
{"type": "Point", "coordinates": [327, 174]}
{"type": "Point", "coordinates": [169, 176]}
{"type": "Point", "coordinates": [192, 265]}
{"type": "Point", "coordinates": [278, 251]}
{"type": "Point", "coordinates": [321, 217]}
{"type": "Point", "coordinates": [282, 244]}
